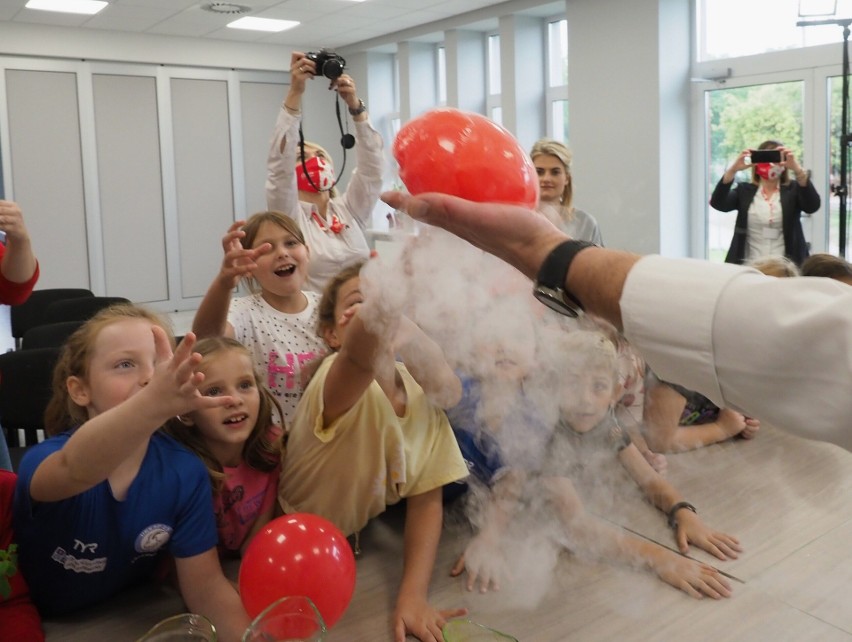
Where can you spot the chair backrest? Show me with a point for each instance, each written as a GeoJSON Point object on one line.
{"type": "Point", "coordinates": [25, 389]}
{"type": "Point", "coordinates": [51, 335]}
{"type": "Point", "coordinates": [29, 313]}
{"type": "Point", "coordinates": [79, 309]}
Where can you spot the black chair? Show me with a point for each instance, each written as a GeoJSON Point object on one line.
{"type": "Point", "coordinates": [25, 389]}
{"type": "Point", "coordinates": [29, 313]}
{"type": "Point", "coordinates": [50, 335]}
{"type": "Point", "coordinates": [79, 309]}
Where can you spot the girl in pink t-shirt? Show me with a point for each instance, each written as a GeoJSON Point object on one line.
{"type": "Point", "coordinates": [239, 443]}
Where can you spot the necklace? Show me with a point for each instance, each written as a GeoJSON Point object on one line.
{"type": "Point", "coordinates": [336, 225]}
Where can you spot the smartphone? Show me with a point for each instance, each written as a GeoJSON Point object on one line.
{"type": "Point", "coordinates": [766, 156]}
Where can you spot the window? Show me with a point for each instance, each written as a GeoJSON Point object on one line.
{"type": "Point", "coordinates": [556, 92]}
{"type": "Point", "coordinates": [493, 99]}
{"type": "Point", "coordinates": [494, 64]}
{"type": "Point", "coordinates": [830, 201]}
{"type": "Point", "coordinates": [741, 118]}
{"type": "Point", "coordinates": [442, 75]}
{"type": "Point", "coordinates": [731, 28]}
{"type": "Point", "coordinates": [557, 53]}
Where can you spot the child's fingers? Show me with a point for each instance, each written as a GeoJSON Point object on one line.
{"type": "Point", "coordinates": [184, 348]}
{"type": "Point", "coordinates": [399, 631]}
{"type": "Point", "coordinates": [682, 540]}
{"type": "Point", "coordinates": [203, 402]}
{"type": "Point", "coordinates": [162, 346]}
{"type": "Point", "coordinates": [261, 249]}
{"type": "Point", "coordinates": [458, 567]}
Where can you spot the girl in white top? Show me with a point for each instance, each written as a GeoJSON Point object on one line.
{"type": "Point", "coordinates": [278, 320]}
{"type": "Point", "coordinates": [333, 225]}
{"type": "Point", "coordinates": [552, 162]}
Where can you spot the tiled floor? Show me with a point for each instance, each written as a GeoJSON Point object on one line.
{"type": "Point", "coordinates": [788, 500]}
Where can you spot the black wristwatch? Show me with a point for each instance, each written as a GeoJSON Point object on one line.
{"type": "Point", "coordinates": [360, 109]}
{"type": "Point", "coordinates": [550, 284]}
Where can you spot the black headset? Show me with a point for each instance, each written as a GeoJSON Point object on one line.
{"type": "Point", "coordinates": [347, 141]}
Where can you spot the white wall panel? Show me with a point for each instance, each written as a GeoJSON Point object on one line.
{"type": "Point", "coordinates": [47, 172]}
{"type": "Point", "coordinates": [202, 159]}
{"type": "Point", "coordinates": [130, 181]}
{"type": "Point", "coordinates": [260, 103]}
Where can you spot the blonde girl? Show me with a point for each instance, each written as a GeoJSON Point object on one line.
{"type": "Point", "coordinates": [552, 162]}
{"type": "Point", "coordinates": [98, 502]}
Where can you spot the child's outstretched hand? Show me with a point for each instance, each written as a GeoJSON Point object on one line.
{"type": "Point", "coordinates": [692, 530]}
{"type": "Point", "coordinates": [238, 261]}
{"type": "Point", "coordinates": [691, 577]}
{"type": "Point", "coordinates": [415, 616]}
{"type": "Point", "coordinates": [174, 384]}
{"type": "Point", "coordinates": [486, 567]}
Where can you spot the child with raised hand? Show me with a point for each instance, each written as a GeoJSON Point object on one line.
{"type": "Point", "coordinates": [239, 442]}
{"type": "Point", "coordinates": [277, 320]}
{"type": "Point", "coordinates": [503, 425]}
{"type": "Point", "coordinates": [98, 502]}
{"type": "Point", "coordinates": [370, 431]}
{"type": "Point", "coordinates": [588, 428]}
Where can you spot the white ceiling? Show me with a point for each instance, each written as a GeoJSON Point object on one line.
{"type": "Point", "coordinates": [324, 23]}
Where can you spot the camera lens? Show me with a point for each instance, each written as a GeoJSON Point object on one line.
{"type": "Point", "coordinates": [332, 69]}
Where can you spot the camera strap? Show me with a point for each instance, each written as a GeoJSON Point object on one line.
{"type": "Point", "coordinates": [347, 141]}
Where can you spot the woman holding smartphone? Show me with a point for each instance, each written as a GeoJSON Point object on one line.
{"type": "Point", "coordinates": [770, 207]}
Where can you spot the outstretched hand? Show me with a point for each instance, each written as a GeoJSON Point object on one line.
{"type": "Point", "coordinates": [692, 530]}
{"type": "Point", "coordinates": [513, 233]}
{"type": "Point", "coordinates": [238, 262]}
{"type": "Point", "coordinates": [485, 564]}
{"type": "Point", "coordinates": [415, 616]}
{"type": "Point", "coordinates": [175, 382]}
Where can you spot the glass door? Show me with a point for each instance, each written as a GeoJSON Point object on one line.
{"type": "Point", "coordinates": [742, 117]}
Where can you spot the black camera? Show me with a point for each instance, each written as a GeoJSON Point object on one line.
{"type": "Point", "coordinates": [766, 156]}
{"type": "Point", "coordinates": [329, 63]}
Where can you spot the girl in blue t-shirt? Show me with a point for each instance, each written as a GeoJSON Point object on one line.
{"type": "Point", "coordinates": [96, 505]}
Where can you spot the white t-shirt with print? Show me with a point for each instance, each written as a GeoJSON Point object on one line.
{"type": "Point", "coordinates": [280, 343]}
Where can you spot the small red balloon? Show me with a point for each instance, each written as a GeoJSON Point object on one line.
{"type": "Point", "coordinates": [467, 155]}
{"type": "Point", "coordinates": [298, 554]}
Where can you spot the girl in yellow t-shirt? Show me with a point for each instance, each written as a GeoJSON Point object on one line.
{"type": "Point", "coordinates": [370, 431]}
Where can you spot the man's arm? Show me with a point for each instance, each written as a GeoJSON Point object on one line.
{"type": "Point", "coordinates": [779, 350]}
{"type": "Point", "coordinates": [523, 239]}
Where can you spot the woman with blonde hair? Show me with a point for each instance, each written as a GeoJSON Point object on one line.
{"type": "Point", "coordinates": [300, 177]}
{"type": "Point", "coordinates": [552, 162]}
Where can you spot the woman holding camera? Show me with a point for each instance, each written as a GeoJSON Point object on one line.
{"type": "Point", "coordinates": [769, 208]}
{"type": "Point", "coordinates": [301, 185]}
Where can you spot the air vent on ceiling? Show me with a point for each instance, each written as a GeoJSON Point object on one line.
{"type": "Point", "coordinates": [228, 8]}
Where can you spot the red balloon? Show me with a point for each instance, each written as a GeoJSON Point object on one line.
{"type": "Point", "coordinates": [467, 155]}
{"type": "Point", "coordinates": [298, 554]}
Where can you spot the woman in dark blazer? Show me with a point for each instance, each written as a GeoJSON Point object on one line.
{"type": "Point", "coordinates": [769, 209]}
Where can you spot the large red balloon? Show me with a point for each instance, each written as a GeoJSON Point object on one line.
{"type": "Point", "coordinates": [467, 155]}
{"type": "Point", "coordinates": [298, 554]}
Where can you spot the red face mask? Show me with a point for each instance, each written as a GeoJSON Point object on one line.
{"type": "Point", "coordinates": [769, 171]}
{"type": "Point", "coordinates": [321, 173]}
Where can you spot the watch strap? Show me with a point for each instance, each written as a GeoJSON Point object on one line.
{"type": "Point", "coordinates": [555, 267]}
{"type": "Point", "coordinates": [360, 109]}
